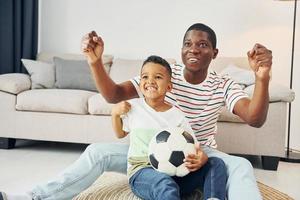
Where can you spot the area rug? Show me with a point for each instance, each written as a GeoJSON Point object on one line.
{"type": "Point", "coordinates": [114, 186]}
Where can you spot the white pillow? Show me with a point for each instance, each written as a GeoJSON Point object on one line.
{"type": "Point", "coordinates": [42, 74]}
{"type": "Point", "coordinates": [239, 75]}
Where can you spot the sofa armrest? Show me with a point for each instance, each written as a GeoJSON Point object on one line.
{"type": "Point", "coordinates": [14, 83]}
{"type": "Point", "coordinates": [277, 93]}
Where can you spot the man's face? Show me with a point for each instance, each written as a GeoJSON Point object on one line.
{"type": "Point", "coordinates": [155, 81]}
{"type": "Point", "coordinates": [197, 51]}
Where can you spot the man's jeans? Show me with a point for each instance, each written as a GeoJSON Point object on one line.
{"type": "Point", "coordinates": [97, 158]}
{"type": "Point", "coordinates": [150, 184]}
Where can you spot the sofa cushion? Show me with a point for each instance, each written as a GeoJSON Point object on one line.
{"type": "Point", "coordinates": [54, 100]}
{"type": "Point", "coordinates": [14, 83]}
{"type": "Point", "coordinates": [42, 74]}
{"type": "Point", "coordinates": [124, 70]}
{"type": "Point", "coordinates": [97, 105]}
{"type": "Point", "coordinates": [75, 74]}
{"type": "Point", "coordinates": [276, 93]}
{"type": "Point", "coordinates": [241, 76]}
{"type": "Point", "coordinates": [48, 57]}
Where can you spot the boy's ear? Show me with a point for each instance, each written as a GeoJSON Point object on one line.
{"type": "Point", "coordinates": [170, 86]}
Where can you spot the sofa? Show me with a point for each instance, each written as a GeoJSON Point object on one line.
{"type": "Point", "coordinates": [58, 101]}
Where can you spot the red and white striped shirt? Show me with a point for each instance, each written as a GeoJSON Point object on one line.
{"type": "Point", "coordinates": [201, 103]}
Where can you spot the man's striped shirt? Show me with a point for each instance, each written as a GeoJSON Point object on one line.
{"type": "Point", "coordinates": [201, 103]}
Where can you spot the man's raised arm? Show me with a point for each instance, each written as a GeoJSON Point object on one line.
{"type": "Point", "coordinates": [255, 111]}
{"type": "Point", "coordinates": [92, 47]}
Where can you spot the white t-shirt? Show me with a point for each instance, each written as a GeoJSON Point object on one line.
{"type": "Point", "coordinates": [142, 122]}
{"type": "Point", "coordinates": [201, 103]}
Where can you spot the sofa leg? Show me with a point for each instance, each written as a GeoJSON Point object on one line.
{"type": "Point", "coordinates": [270, 162]}
{"type": "Point", "coordinates": [7, 143]}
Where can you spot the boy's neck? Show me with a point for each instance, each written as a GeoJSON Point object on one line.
{"type": "Point", "coordinates": [158, 105]}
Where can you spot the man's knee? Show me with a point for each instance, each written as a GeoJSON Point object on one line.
{"type": "Point", "coordinates": [242, 166]}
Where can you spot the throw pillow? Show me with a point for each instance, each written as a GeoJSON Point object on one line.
{"type": "Point", "coordinates": [42, 74]}
{"type": "Point", "coordinates": [241, 76]}
{"type": "Point", "coordinates": [75, 74]}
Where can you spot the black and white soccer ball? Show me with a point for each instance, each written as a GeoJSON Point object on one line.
{"type": "Point", "coordinates": [167, 150]}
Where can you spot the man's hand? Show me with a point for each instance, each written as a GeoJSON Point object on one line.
{"type": "Point", "coordinates": [196, 161]}
{"type": "Point", "coordinates": [260, 60]}
{"type": "Point", "coordinates": [120, 108]}
{"type": "Point", "coordinates": [92, 46]}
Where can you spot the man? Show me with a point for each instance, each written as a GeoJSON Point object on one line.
{"type": "Point", "coordinates": [198, 93]}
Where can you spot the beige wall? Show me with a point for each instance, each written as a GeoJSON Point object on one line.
{"type": "Point", "coordinates": [138, 28]}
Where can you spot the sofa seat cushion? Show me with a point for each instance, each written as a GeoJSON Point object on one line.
{"type": "Point", "coordinates": [277, 93]}
{"type": "Point", "coordinates": [97, 105]}
{"type": "Point", "coordinates": [54, 100]}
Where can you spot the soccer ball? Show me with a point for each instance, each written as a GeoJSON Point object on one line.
{"type": "Point", "coordinates": [168, 148]}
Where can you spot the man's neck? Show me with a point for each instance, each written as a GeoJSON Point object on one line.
{"type": "Point", "coordinates": [194, 77]}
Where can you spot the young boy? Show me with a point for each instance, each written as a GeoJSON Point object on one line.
{"type": "Point", "coordinates": [142, 118]}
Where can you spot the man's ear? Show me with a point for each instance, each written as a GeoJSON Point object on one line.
{"type": "Point", "coordinates": [216, 51]}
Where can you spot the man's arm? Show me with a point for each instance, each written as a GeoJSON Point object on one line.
{"type": "Point", "coordinates": [254, 111]}
{"type": "Point", "coordinates": [93, 46]}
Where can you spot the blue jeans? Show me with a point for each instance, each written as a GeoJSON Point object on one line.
{"type": "Point", "coordinates": [150, 184]}
{"type": "Point", "coordinates": [100, 157]}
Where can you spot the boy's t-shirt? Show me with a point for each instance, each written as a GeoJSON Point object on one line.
{"type": "Point", "coordinates": [142, 122]}
{"type": "Point", "coordinates": [201, 103]}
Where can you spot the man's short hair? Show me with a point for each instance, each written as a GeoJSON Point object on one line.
{"type": "Point", "coordinates": [202, 27]}
{"type": "Point", "coordinates": [158, 60]}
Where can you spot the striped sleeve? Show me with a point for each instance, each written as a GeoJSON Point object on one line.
{"type": "Point", "coordinates": [233, 93]}
{"type": "Point", "coordinates": [136, 83]}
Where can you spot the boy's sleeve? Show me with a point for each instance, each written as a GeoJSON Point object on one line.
{"type": "Point", "coordinates": [136, 83]}
{"type": "Point", "coordinates": [125, 122]}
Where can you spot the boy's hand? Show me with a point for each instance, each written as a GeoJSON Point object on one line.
{"type": "Point", "coordinates": [120, 108]}
{"type": "Point", "coordinates": [196, 161]}
{"type": "Point", "coordinates": [92, 46]}
{"type": "Point", "coordinates": [260, 60]}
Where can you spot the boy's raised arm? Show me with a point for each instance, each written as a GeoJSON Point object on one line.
{"type": "Point", "coordinates": [92, 47]}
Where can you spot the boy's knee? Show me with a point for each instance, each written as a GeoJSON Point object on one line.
{"type": "Point", "coordinates": [217, 163]}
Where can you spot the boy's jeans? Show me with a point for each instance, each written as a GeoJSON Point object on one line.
{"type": "Point", "coordinates": [150, 184]}
{"type": "Point", "coordinates": [97, 158]}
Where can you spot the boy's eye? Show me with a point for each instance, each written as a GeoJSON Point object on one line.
{"type": "Point", "coordinates": [144, 77]}
{"type": "Point", "coordinates": [158, 77]}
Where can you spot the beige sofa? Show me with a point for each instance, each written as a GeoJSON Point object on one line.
{"type": "Point", "coordinates": [44, 106]}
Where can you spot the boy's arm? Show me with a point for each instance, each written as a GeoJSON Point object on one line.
{"type": "Point", "coordinates": [118, 126]}
{"type": "Point", "coordinates": [117, 123]}
{"type": "Point", "coordinates": [255, 111]}
{"type": "Point", "coordinates": [194, 161]}
{"type": "Point", "coordinates": [93, 46]}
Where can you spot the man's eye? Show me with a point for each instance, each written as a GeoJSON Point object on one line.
{"type": "Point", "coordinates": [203, 45]}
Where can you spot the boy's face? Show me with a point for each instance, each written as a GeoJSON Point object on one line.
{"type": "Point", "coordinates": [197, 51]}
{"type": "Point", "coordinates": [155, 81]}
